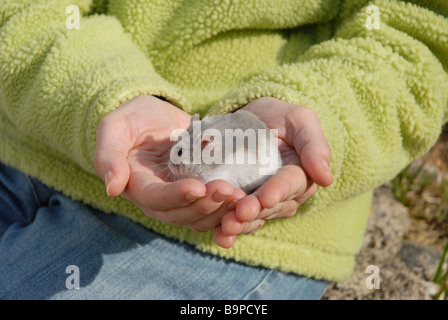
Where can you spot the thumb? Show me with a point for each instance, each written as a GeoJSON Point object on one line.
{"type": "Point", "coordinates": [113, 168]}
{"type": "Point", "coordinates": [110, 160]}
{"type": "Point", "coordinates": [315, 160]}
{"type": "Point", "coordinates": [311, 145]}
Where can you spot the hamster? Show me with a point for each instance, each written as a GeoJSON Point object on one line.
{"type": "Point", "coordinates": [237, 147]}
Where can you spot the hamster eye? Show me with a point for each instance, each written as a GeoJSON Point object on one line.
{"type": "Point", "coordinates": [179, 153]}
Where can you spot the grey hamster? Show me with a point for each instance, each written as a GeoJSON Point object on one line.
{"type": "Point", "coordinates": [237, 147]}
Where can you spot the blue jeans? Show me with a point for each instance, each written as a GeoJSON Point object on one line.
{"type": "Point", "coordinates": [52, 247]}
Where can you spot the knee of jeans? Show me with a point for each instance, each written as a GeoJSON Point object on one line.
{"type": "Point", "coordinates": [19, 197]}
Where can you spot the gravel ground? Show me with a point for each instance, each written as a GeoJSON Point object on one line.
{"type": "Point", "coordinates": [405, 267]}
{"type": "Point", "coordinates": [404, 243]}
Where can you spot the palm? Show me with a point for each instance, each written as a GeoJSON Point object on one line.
{"type": "Point", "coordinates": [301, 139]}
{"type": "Point", "coordinates": [133, 144]}
{"type": "Point", "coordinates": [150, 131]}
{"type": "Point", "coordinates": [285, 144]}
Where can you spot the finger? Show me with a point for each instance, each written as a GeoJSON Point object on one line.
{"type": "Point", "coordinates": [208, 223]}
{"type": "Point", "coordinates": [289, 181]}
{"type": "Point", "coordinates": [231, 225]}
{"type": "Point", "coordinates": [114, 169]}
{"type": "Point", "coordinates": [310, 144]}
{"type": "Point", "coordinates": [300, 199]}
{"type": "Point", "coordinates": [248, 208]}
{"type": "Point", "coordinates": [215, 219]}
{"type": "Point", "coordinates": [217, 192]}
{"type": "Point", "coordinates": [287, 208]}
{"type": "Point", "coordinates": [110, 160]}
{"type": "Point", "coordinates": [252, 226]}
{"type": "Point", "coordinates": [153, 194]}
{"type": "Point", "coordinates": [223, 240]}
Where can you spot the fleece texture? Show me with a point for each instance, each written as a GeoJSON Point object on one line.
{"type": "Point", "coordinates": [381, 95]}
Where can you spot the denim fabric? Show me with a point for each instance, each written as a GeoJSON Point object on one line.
{"type": "Point", "coordinates": [44, 232]}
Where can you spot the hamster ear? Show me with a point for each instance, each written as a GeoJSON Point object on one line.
{"type": "Point", "coordinates": [195, 117]}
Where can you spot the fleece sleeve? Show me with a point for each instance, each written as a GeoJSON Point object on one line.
{"type": "Point", "coordinates": [57, 81]}
{"type": "Point", "coordinates": [381, 93]}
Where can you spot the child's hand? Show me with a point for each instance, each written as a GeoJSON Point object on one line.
{"type": "Point", "coordinates": [133, 144]}
{"type": "Point", "coordinates": [306, 156]}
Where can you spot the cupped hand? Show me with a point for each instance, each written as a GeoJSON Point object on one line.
{"type": "Point", "coordinates": [306, 157]}
{"type": "Point", "coordinates": [133, 144]}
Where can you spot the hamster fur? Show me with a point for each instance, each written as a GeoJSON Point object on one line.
{"type": "Point", "coordinates": [204, 153]}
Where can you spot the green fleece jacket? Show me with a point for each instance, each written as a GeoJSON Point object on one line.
{"type": "Point", "coordinates": [377, 77]}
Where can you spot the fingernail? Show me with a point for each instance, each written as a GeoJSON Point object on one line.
{"type": "Point", "coordinates": [326, 166]}
{"type": "Point", "coordinates": [219, 196]}
{"type": "Point", "coordinates": [193, 196]}
{"type": "Point", "coordinates": [109, 177]}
